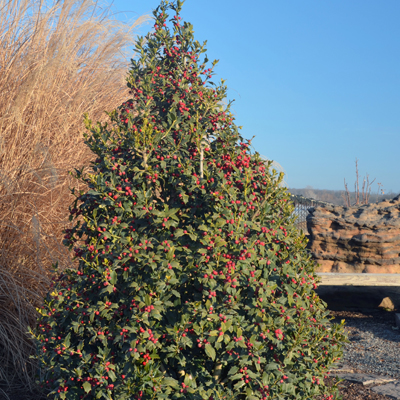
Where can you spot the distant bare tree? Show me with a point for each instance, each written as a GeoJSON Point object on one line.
{"type": "Point", "coordinates": [365, 191]}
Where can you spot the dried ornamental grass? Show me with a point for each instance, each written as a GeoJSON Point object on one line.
{"type": "Point", "coordinates": [55, 64]}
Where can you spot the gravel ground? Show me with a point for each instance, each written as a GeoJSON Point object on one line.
{"type": "Point", "coordinates": [375, 342]}
{"type": "Point", "coordinates": [356, 391]}
{"type": "Point", "coordinates": [374, 348]}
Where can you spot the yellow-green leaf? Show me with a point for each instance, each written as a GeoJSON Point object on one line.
{"type": "Point", "coordinates": [112, 375]}
{"type": "Point", "coordinates": [210, 351]}
{"type": "Point", "coordinates": [113, 277]}
{"type": "Point", "coordinates": [87, 386]}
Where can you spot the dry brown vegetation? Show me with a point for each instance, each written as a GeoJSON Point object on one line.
{"type": "Point", "coordinates": [347, 198]}
{"type": "Point", "coordinates": [366, 191]}
{"type": "Point", "coordinates": [54, 66]}
{"type": "Point", "coordinates": [336, 196]}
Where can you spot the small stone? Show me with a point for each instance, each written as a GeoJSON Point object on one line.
{"type": "Point", "coordinates": [341, 371]}
{"type": "Point", "coordinates": [339, 367]}
{"type": "Point", "coordinates": [387, 303]}
{"type": "Point", "coordinates": [365, 379]}
{"type": "Point", "coordinates": [391, 390]}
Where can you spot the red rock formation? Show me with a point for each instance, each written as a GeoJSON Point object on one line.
{"type": "Point", "coordinates": [356, 239]}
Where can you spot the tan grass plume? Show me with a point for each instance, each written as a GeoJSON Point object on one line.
{"type": "Point", "coordinates": [54, 66]}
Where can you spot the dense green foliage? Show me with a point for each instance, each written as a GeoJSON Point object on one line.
{"type": "Point", "coordinates": [193, 282]}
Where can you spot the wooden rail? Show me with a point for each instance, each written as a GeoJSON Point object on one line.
{"type": "Point", "coordinates": [360, 290]}
{"type": "Point", "coordinates": [361, 279]}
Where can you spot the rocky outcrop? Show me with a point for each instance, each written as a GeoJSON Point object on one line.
{"type": "Point", "coordinates": [356, 239]}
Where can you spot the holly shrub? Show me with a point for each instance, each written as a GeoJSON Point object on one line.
{"type": "Point", "coordinates": [193, 281]}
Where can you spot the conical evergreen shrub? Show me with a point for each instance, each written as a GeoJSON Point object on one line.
{"type": "Point", "coordinates": [193, 282]}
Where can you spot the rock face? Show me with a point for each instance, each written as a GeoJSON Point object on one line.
{"type": "Point", "coordinates": [356, 239]}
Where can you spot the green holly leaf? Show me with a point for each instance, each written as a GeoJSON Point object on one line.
{"type": "Point", "coordinates": [271, 366]}
{"type": "Point", "coordinates": [210, 351]}
{"type": "Point", "coordinates": [220, 222]}
{"type": "Point", "coordinates": [147, 300]}
{"type": "Point", "coordinates": [239, 385]}
{"type": "Point", "coordinates": [193, 236]}
{"type": "Point", "coordinates": [113, 276]}
{"type": "Point", "coordinates": [87, 386]}
{"type": "Point", "coordinates": [93, 192]}
{"type": "Point", "coordinates": [171, 382]}
{"type": "Point", "coordinates": [112, 375]}
{"type": "Point", "coordinates": [67, 340]}
{"type": "Point", "coordinates": [178, 233]}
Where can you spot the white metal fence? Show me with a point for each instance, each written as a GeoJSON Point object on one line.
{"type": "Point", "coordinates": [302, 205]}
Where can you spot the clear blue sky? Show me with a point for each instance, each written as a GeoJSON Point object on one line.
{"type": "Point", "coordinates": [317, 82]}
